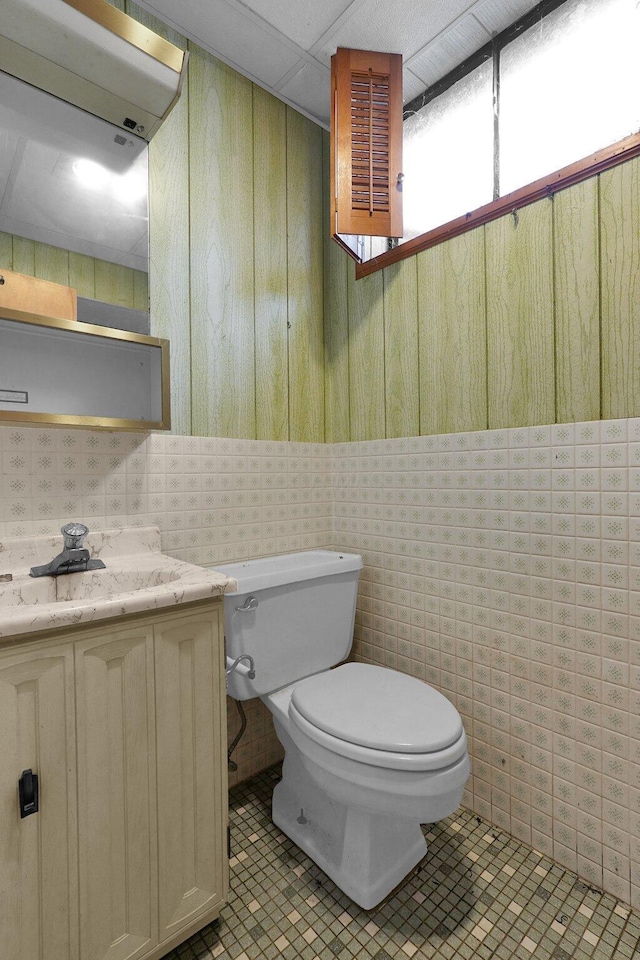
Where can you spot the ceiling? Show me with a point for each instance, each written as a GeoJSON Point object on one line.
{"type": "Point", "coordinates": [286, 46]}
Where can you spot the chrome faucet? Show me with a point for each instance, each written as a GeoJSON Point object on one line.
{"type": "Point", "coordinates": [74, 557]}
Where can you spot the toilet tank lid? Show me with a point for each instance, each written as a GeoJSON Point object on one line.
{"type": "Point", "coordinates": [378, 708]}
{"type": "Point", "coordinates": [265, 572]}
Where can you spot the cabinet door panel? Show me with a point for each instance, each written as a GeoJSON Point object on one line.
{"type": "Point", "coordinates": [38, 854]}
{"type": "Point", "coordinates": [192, 793]}
{"type": "Point", "coordinates": [116, 791]}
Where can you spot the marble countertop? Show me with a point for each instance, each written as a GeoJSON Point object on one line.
{"type": "Point", "coordinates": [137, 578]}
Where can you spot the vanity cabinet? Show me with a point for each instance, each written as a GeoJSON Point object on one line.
{"type": "Point", "coordinates": [38, 855]}
{"type": "Point", "coordinates": [125, 724]}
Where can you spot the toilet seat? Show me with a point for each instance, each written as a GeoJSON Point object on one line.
{"type": "Point", "coordinates": [380, 717]}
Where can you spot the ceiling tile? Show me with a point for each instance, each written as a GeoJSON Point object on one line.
{"type": "Point", "coordinates": [412, 86]}
{"type": "Point", "coordinates": [377, 25]}
{"type": "Point", "coordinates": [496, 15]}
{"type": "Point", "coordinates": [231, 36]}
{"type": "Point", "coordinates": [269, 41]}
{"type": "Point", "coordinates": [311, 89]}
{"type": "Point", "coordinates": [310, 19]}
{"type": "Point", "coordinates": [449, 50]}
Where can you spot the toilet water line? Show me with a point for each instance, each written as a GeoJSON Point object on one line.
{"type": "Point", "coordinates": [231, 764]}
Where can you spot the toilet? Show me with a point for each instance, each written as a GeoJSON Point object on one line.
{"type": "Point", "coordinates": [370, 753]}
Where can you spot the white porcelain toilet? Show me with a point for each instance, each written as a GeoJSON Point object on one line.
{"type": "Point", "coordinates": [370, 753]}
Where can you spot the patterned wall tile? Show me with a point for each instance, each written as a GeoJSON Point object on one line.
{"type": "Point", "coordinates": [503, 567]}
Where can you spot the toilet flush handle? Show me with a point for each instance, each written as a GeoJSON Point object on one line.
{"type": "Point", "coordinates": [250, 604]}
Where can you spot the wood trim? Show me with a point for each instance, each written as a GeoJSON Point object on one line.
{"type": "Point", "coordinates": [590, 166]}
{"type": "Point", "coordinates": [135, 33]}
{"type": "Point", "coordinates": [90, 422]}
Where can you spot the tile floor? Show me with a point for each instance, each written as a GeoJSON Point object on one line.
{"type": "Point", "coordinates": [478, 893]}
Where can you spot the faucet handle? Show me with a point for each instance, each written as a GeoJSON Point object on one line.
{"type": "Point", "coordinates": [74, 533]}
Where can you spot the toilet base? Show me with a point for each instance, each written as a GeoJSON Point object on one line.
{"type": "Point", "coordinates": [365, 854]}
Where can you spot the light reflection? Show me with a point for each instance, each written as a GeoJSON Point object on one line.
{"type": "Point", "coordinates": [129, 188]}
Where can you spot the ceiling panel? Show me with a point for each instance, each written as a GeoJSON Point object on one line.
{"type": "Point", "coordinates": [284, 45]}
{"type": "Point", "coordinates": [231, 36]}
{"type": "Point", "coordinates": [311, 88]}
{"type": "Point", "coordinates": [395, 28]}
{"type": "Point", "coordinates": [497, 15]}
{"type": "Point", "coordinates": [304, 22]}
{"type": "Point", "coordinates": [412, 86]}
{"type": "Point", "coordinates": [449, 50]}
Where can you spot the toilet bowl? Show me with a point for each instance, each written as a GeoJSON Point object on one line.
{"type": "Point", "coordinates": [370, 753]}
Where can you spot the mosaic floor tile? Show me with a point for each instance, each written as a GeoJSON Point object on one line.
{"type": "Point", "coordinates": [478, 894]}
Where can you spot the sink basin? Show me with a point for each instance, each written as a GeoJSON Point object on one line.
{"type": "Point", "coordinates": [137, 577]}
{"type": "Point", "coordinates": [92, 585]}
{"type": "Point", "coordinates": [24, 590]}
{"type": "Point", "coordinates": [96, 584]}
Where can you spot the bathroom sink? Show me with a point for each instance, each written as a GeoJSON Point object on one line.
{"type": "Point", "coordinates": [96, 584]}
{"type": "Point", "coordinates": [136, 577]}
{"type": "Point", "coordinates": [23, 590]}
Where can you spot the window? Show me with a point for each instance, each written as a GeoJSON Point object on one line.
{"type": "Point", "coordinates": [552, 100]}
{"type": "Point", "coordinates": [568, 86]}
{"type": "Point", "coordinates": [436, 152]}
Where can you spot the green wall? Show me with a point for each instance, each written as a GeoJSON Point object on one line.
{"type": "Point", "coordinates": [534, 318]}
{"type": "Point", "coordinates": [95, 279]}
{"type": "Point", "coordinates": [236, 257]}
{"type": "Point", "coordinates": [531, 319]}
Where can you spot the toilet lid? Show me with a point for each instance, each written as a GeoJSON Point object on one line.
{"type": "Point", "coordinates": [378, 708]}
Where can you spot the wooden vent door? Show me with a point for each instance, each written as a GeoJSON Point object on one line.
{"type": "Point", "coordinates": [366, 143]}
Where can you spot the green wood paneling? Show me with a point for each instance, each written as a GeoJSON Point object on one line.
{"type": "Point", "coordinates": [305, 280]}
{"type": "Point", "coordinates": [140, 290]}
{"type": "Point", "coordinates": [520, 318]}
{"type": "Point", "coordinates": [271, 285]}
{"type": "Point", "coordinates": [577, 302]}
{"type": "Point", "coordinates": [620, 290]}
{"type": "Point", "coordinates": [51, 263]}
{"type": "Point", "coordinates": [114, 283]}
{"type": "Point", "coordinates": [453, 335]}
{"type": "Point", "coordinates": [82, 275]}
{"type": "Point", "coordinates": [6, 251]}
{"type": "Point", "coordinates": [24, 256]}
{"type": "Point", "coordinates": [402, 389]}
{"type": "Point", "coordinates": [336, 325]}
{"type": "Point", "coordinates": [221, 249]}
{"type": "Point", "coordinates": [366, 356]}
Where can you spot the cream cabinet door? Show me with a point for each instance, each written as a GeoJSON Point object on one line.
{"type": "Point", "coordinates": [192, 771]}
{"type": "Point", "coordinates": [38, 854]}
{"type": "Point", "coordinates": [116, 793]}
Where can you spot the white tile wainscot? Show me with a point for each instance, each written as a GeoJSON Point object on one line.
{"type": "Point", "coordinates": [501, 566]}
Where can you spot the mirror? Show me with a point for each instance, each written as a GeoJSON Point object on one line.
{"type": "Point", "coordinates": [59, 371]}
{"type": "Point", "coordinates": [77, 184]}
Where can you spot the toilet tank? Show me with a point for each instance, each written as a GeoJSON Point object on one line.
{"type": "Point", "coordinates": [302, 622]}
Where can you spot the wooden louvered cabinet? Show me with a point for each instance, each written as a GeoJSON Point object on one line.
{"type": "Point", "coordinates": [366, 143]}
{"type": "Point", "coordinates": [129, 718]}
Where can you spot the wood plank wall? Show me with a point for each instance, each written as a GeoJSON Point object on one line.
{"type": "Point", "coordinates": [95, 279]}
{"type": "Point", "coordinates": [531, 319]}
{"type": "Point", "coordinates": [236, 256]}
